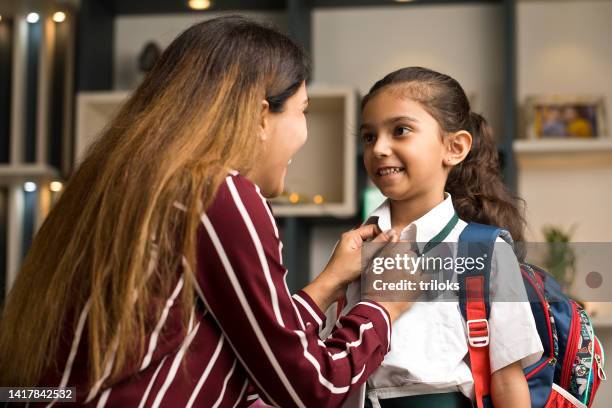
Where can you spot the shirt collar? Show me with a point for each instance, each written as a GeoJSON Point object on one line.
{"type": "Point", "coordinates": [421, 230]}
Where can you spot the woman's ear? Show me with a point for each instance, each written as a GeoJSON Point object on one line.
{"type": "Point", "coordinates": [264, 120]}
{"type": "Point", "coordinates": [458, 147]}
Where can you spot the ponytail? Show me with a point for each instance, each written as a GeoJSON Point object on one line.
{"type": "Point", "coordinates": [476, 186]}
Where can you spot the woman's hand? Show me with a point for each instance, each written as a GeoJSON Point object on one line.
{"type": "Point", "coordinates": [396, 303]}
{"type": "Point", "coordinates": [345, 264]}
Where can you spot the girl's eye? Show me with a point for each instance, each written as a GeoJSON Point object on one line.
{"type": "Point", "coordinates": [367, 137]}
{"type": "Point", "coordinates": [402, 130]}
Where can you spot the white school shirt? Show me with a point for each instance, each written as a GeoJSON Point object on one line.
{"type": "Point", "coordinates": [429, 344]}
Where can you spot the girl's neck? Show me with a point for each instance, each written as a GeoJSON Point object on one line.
{"type": "Point", "coordinates": [403, 212]}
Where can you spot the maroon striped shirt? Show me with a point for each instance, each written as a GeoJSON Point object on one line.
{"type": "Point", "coordinates": [248, 336]}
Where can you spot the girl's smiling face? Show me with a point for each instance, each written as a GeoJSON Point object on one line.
{"type": "Point", "coordinates": [404, 151]}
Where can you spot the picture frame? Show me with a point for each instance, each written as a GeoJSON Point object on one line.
{"type": "Point", "coordinates": [566, 117]}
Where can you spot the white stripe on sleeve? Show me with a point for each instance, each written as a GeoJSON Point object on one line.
{"type": "Point", "coordinates": [259, 248]}
{"type": "Point", "coordinates": [174, 367]}
{"type": "Point", "coordinates": [372, 305]}
{"type": "Point", "coordinates": [227, 378]}
{"type": "Point", "coordinates": [308, 308]}
{"type": "Point", "coordinates": [206, 372]}
{"type": "Point", "coordinates": [160, 324]}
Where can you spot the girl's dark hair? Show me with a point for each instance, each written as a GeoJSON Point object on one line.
{"type": "Point", "coordinates": [475, 184]}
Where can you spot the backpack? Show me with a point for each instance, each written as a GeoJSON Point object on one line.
{"type": "Point", "coordinates": [572, 365]}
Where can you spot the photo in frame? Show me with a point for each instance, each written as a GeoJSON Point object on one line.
{"type": "Point", "coordinates": [565, 117]}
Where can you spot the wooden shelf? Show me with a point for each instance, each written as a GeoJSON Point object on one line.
{"type": "Point", "coordinates": [562, 146]}
{"type": "Point", "coordinates": [18, 173]}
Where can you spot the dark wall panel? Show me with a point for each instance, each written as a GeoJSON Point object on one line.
{"type": "Point", "coordinates": [57, 97]}
{"type": "Point", "coordinates": [6, 74]}
{"type": "Point", "coordinates": [32, 69]}
{"type": "Point", "coordinates": [3, 240]}
{"type": "Point", "coordinates": [94, 48]}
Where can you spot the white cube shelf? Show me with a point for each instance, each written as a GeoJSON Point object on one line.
{"type": "Point", "coordinates": [94, 112]}
{"type": "Point", "coordinates": [325, 166]}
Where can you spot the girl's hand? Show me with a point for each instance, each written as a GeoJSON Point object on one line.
{"type": "Point", "coordinates": [345, 264]}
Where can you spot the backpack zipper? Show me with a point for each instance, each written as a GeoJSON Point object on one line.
{"type": "Point", "coordinates": [570, 349]}
{"type": "Point", "coordinates": [552, 359]}
{"type": "Point", "coordinates": [593, 358]}
{"type": "Point", "coordinates": [601, 360]}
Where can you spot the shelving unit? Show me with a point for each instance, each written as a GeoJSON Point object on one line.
{"type": "Point", "coordinates": [95, 69]}
{"type": "Point", "coordinates": [562, 146]}
{"type": "Point", "coordinates": [342, 203]}
{"type": "Point", "coordinates": [324, 166]}
{"type": "Point", "coordinates": [36, 93]}
{"type": "Point", "coordinates": [94, 110]}
{"type": "Point", "coordinates": [563, 49]}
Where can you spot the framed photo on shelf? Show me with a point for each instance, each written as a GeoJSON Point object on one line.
{"type": "Point", "coordinates": [565, 117]}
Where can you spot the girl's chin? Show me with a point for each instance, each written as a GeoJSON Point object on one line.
{"type": "Point", "coordinates": [394, 192]}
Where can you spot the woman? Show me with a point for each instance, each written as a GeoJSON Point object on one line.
{"type": "Point", "coordinates": [157, 278]}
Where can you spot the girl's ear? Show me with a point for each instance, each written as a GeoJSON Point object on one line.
{"type": "Point", "coordinates": [458, 147]}
{"type": "Point", "coordinates": [264, 122]}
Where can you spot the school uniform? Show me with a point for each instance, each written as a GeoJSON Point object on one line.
{"type": "Point", "coordinates": [248, 338]}
{"type": "Point", "coordinates": [429, 347]}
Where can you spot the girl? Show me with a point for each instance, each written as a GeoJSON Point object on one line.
{"type": "Point", "coordinates": [157, 278]}
{"type": "Point", "coordinates": [434, 158]}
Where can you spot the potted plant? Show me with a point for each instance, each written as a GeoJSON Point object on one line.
{"type": "Point", "coordinates": [560, 259]}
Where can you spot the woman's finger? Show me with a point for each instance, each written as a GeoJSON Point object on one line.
{"type": "Point", "coordinates": [386, 236]}
{"type": "Point", "coordinates": [367, 232]}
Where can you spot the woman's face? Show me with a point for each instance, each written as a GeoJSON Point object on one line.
{"type": "Point", "coordinates": [283, 133]}
{"type": "Point", "coordinates": [403, 151]}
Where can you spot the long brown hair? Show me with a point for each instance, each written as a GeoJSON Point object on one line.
{"type": "Point", "coordinates": [476, 186]}
{"type": "Point", "coordinates": [115, 239]}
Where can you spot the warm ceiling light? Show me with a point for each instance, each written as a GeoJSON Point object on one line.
{"type": "Point", "coordinates": [199, 4]}
{"type": "Point", "coordinates": [56, 186]}
{"type": "Point", "coordinates": [59, 16]}
{"type": "Point", "coordinates": [0, 17]}
{"type": "Point", "coordinates": [32, 18]}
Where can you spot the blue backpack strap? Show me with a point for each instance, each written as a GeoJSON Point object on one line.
{"type": "Point", "coordinates": [476, 240]}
